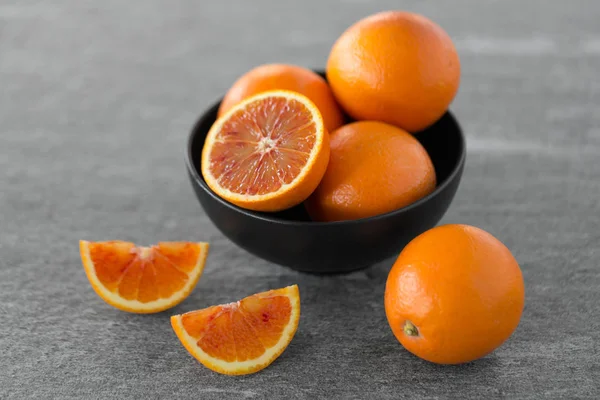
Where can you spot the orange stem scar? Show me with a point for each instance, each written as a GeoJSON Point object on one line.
{"type": "Point", "coordinates": [410, 329]}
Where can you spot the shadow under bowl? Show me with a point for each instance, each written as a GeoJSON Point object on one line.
{"type": "Point", "coordinates": [291, 239]}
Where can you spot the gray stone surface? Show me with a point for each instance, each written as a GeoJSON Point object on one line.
{"type": "Point", "coordinates": [96, 100]}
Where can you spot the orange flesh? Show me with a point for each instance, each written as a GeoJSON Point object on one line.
{"type": "Point", "coordinates": [143, 273]}
{"type": "Point", "coordinates": [263, 146]}
{"type": "Point", "coordinates": [239, 331]}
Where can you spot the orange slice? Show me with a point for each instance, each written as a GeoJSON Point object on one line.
{"type": "Point", "coordinates": [143, 279]}
{"type": "Point", "coordinates": [267, 153]}
{"type": "Point", "coordinates": [242, 337]}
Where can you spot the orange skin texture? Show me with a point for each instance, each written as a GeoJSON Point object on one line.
{"type": "Point", "coordinates": [396, 67]}
{"type": "Point", "coordinates": [461, 288]}
{"type": "Point", "coordinates": [373, 168]}
{"type": "Point", "coordinates": [286, 77]}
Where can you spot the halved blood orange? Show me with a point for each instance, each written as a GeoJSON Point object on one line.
{"type": "Point", "coordinates": [143, 279]}
{"type": "Point", "coordinates": [242, 337]}
{"type": "Point", "coordinates": [267, 153]}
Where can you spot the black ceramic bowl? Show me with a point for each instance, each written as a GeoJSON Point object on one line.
{"type": "Point", "coordinates": [291, 239]}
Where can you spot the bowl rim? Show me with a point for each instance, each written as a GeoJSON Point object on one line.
{"type": "Point", "coordinates": [252, 214]}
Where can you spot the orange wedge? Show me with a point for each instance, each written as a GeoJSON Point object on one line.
{"type": "Point", "coordinates": [143, 279]}
{"type": "Point", "coordinates": [267, 153]}
{"type": "Point", "coordinates": [242, 337]}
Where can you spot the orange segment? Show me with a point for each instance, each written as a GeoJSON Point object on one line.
{"type": "Point", "coordinates": [181, 254]}
{"type": "Point", "coordinates": [267, 316]}
{"type": "Point", "coordinates": [242, 337]}
{"type": "Point", "coordinates": [143, 279]}
{"type": "Point", "coordinates": [111, 265]}
{"type": "Point", "coordinates": [268, 153]}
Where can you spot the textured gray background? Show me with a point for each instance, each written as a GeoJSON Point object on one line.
{"type": "Point", "coordinates": [96, 101]}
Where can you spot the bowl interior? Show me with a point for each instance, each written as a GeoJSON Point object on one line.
{"type": "Point", "coordinates": [443, 141]}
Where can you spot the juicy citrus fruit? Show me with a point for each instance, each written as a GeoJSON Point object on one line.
{"type": "Point", "coordinates": [143, 279]}
{"type": "Point", "coordinates": [396, 67]}
{"type": "Point", "coordinates": [455, 294]}
{"type": "Point", "coordinates": [242, 337]}
{"type": "Point", "coordinates": [286, 77]}
{"type": "Point", "coordinates": [374, 168]}
{"type": "Point", "coordinates": [267, 153]}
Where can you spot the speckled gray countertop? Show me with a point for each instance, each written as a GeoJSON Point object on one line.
{"type": "Point", "coordinates": [96, 101]}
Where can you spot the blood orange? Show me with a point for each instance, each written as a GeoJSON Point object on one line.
{"type": "Point", "coordinates": [286, 77]}
{"type": "Point", "coordinates": [242, 337]}
{"type": "Point", "coordinates": [143, 279]}
{"type": "Point", "coordinates": [267, 153]}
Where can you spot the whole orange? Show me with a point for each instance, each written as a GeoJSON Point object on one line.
{"type": "Point", "coordinates": [455, 294]}
{"type": "Point", "coordinates": [396, 67]}
{"type": "Point", "coordinates": [286, 77]}
{"type": "Point", "coordinates": [373, 168]}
